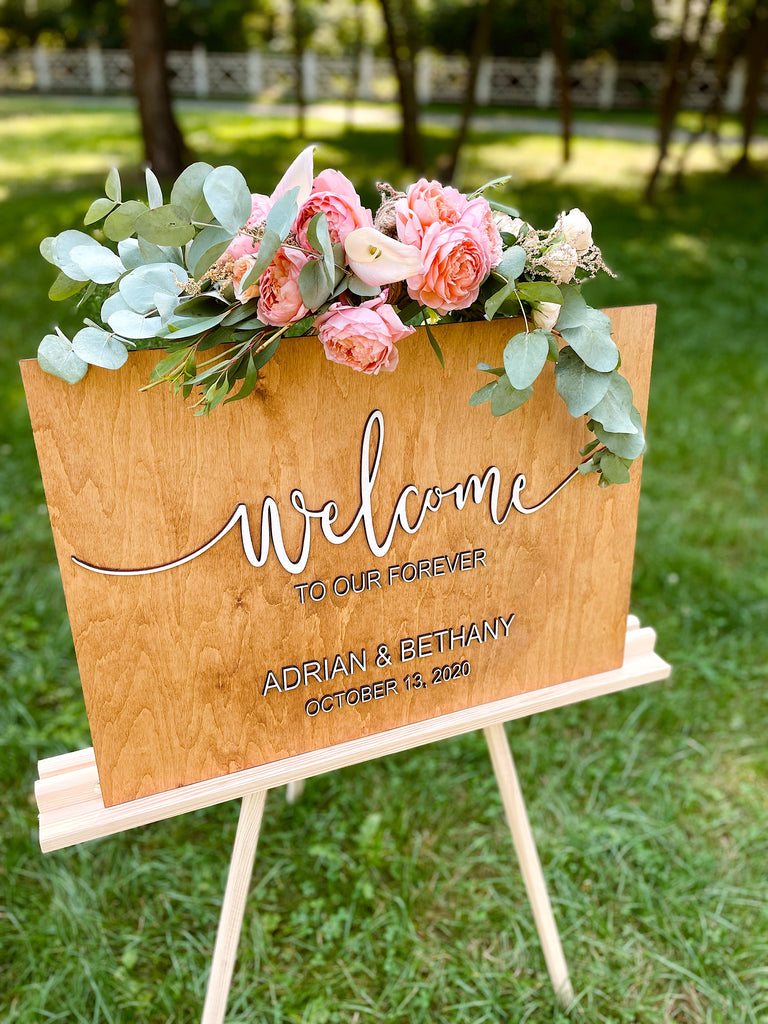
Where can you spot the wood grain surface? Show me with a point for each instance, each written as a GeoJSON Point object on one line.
{"type": "Point", "coordinates": [174, 664]}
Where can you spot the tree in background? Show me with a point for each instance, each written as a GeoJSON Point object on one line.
{"type": "Point", "coordinates": [403, 38]}
{"type": "Point", "coordinates": [163, 144]}
{"type": "Point", "coordinates": [684, 47]}
{"type": "Point", "coordinates": [558, 26]}
{"type": "Point", "coordinates": [756, 52]}
{"type": "Point", "coordinates": [480, 46]}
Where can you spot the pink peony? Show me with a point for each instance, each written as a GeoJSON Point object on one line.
{"type": "Point", "coordinates": [456, 261]}
{"type": "Point", "coordinates": [362, 337]}
{"type": "Point", "coordinates": [334, 195]}
{"type": "Point", "coordinates": [279, 296]}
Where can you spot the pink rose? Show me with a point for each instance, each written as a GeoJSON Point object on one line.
{"type": "Point", "coordinates": [279, 296]}
{"type": "Point", "coordinates": [362, 337]}
{"type": "Point", "coordinates": [427, 203]}
{"type": "Point", "coordinates": [334, 195]}
{"type": "Point", "coordinates": [244, 244]}
{"type": "Point", "coordinates": [456, 262]}
{"type": "Point", "coordinates": [479, 214]}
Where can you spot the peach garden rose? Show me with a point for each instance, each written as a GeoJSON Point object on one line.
{"type": "Point", "coordinates": [456, 263]}
{"type": "Point", "coordinates": [279, 295]}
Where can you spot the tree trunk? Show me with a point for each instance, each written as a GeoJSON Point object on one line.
{"type": "Point", "coordinates": [757, 42]}
{"type": "Point", "coordinates": [398, 19]}
{"type": "Point", "coordinates": [297, 25]}
{"type": "Point", "coordinates": [682, 54]}
{"type": "Point", "coordinates": [560, 50]}
{"type": "Point", "coordinates": [163, 144]}
{"type": "Point", "coordinates": [358, 43]}
{"type": "Point", "coordinates": [711, 117]}
{"type": "Point", "coordinates": [480, 46]}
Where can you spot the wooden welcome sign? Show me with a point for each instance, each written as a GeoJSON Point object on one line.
{"type": "Point", "coordinates": [337, 556]}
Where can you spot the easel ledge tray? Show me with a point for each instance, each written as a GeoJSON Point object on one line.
{"type": "Point", "coordinates": [68, 793]}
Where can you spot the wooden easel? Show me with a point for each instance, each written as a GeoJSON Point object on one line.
{"type": "Point", "coordinates": [72, 811]}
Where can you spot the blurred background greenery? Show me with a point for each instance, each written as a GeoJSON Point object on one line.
{"type": "Point", "coordinates": [390, 892]}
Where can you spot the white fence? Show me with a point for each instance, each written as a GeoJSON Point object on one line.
{"type": "Point", "coordinates": [598, 84]}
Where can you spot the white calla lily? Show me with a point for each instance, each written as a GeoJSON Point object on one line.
{"type": "Point", "coordinates": [299, 175]}
{"type": "Point", "coordinates": [378, 259]}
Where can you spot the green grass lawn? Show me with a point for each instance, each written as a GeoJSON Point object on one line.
{"type": "Point", "coordinates": [390, 893]}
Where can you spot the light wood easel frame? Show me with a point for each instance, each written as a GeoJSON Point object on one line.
{"type": "Point", "coordinates": [72, 811]}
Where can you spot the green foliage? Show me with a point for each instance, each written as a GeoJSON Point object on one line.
{"type": "Point", "coordinates": [524, 357]}
{"type": "Point", "coordinates": [580, 387]}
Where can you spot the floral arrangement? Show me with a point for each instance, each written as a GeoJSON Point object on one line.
{"type": "Point", "coordinates": [218, 276]}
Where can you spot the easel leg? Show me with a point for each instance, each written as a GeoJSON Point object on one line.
{"type": "Point", "coordinates": [233, 907]}
{"type": "Point", "coordinates": [530, 865]}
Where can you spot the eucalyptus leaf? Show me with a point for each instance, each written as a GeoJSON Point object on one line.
{"type": "Point", "coordinates": [496, 370]}
{"type": "Point", "coordinates": [497, 300]}
{"type": "Point", "coordinates": [166, 305]}
{"type": "Point", "coordinates": [524, 357]}
{"type": "Point", "coordinates": [96, 263]}
{"type": "Point", "coordinates": [121, 223]}
{"type": "Point", "coordinates": [320, 240]}
{"type": "Point", "coordinates": [191, 326]}
{"type": "Point", "coordinates": [64, 288]}
{"type": "Point", "coordinates": [56, 356]}
{"type": "Point", "coordinates": [506, 398]}
{"type": "Point", "coordinates": [100, 348]}
{"type": "Point", "coordinates": [112, 185]}
{"type": "Point", "coordinates": [512, 263]}
{"type": "Point", "coordinates": [614, 469]}
{"type": "Point", "coordinates": [187, 192]}
{"type": "Point", "coordinates": [154, 190]}
{"type": "Point", "coordinates": [48, 249]}
{"type": "Point", "coordinates": [165, 225]}
{"type": "Point", "coordinates": [130, 254]}
{"type": "Point", "coordinates": [628, 446]}
{"type": "Point", "coordinates": [151, 253]}
{"type": "Point", "coordinates": [283, 213]}
{"type": "Point", "coordinates": [313, 284]}
{"type": "Point", "coordinates": [578, 385]}
{"type": "Point", "coordinates": [207, 247]}
{"type": "Point", "coordinates": [228, 196]}
{"type": "Point", "coordinates": [574, 308]}
{"type": "Point", "coordinates": [615, 407]}
{"type": "Point", "coordinates": [111, 305]}
{"type": "Point", "coordinates": [99, 209]}
{"type": "Point", "coordinates": [130, 324]}
{"type": "Point", "coordinates": [358, 287]}
{"type": "Point", "coordinates": [592, 340]}
{"type": "Point", "coordinates": [540, 291]}
{"type": "Point", "coordinates": [140, 287]}
{"type": "Point", "coordinates": [483, 394]}
{"type": "Point", "coordinates": [62, 246]}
